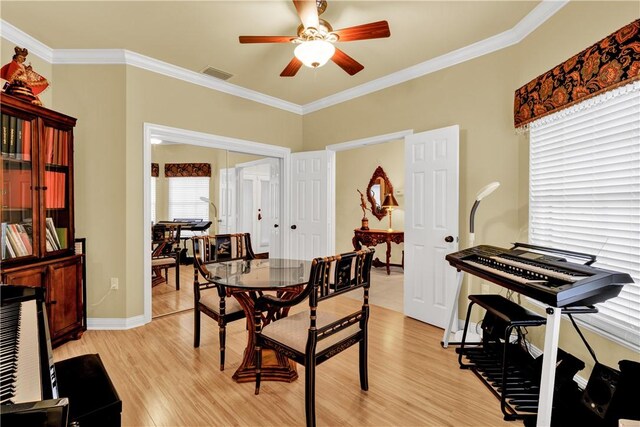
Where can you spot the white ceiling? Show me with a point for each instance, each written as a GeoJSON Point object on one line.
{"type": "Point", "coordinates": [196, 34]}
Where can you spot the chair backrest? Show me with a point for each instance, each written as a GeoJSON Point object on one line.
{"type": "Point", "coordinates": [163, 239]}
{"type": "Point", "coordinates": [335, 275]}
{"type": "Point", "coordinates": [220, 248]}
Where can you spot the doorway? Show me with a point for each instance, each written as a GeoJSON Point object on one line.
{"type": "Point", "coordinates": [356, 163]}
{"type": "Point", "coordinates": [223, 153]}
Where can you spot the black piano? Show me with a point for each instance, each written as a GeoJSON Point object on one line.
{"type": "Point", "coordinates": [35, 391]}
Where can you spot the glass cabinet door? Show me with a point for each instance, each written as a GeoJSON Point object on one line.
{"type": "Point", "coordinates": [16, 197]}
{"type": "Point", "coordinates": [56, 150]}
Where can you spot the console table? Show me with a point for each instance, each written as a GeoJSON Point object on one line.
{"type": "Point", "coordinates": [377, 237]}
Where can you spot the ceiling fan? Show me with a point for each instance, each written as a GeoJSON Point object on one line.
{"type": "Point", "coordinates": [316, 39]}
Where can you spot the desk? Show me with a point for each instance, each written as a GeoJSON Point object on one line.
{"type": "Point", "coordinates": [376, 237]}
{"type": "Point", "coordinates": [247, 281]}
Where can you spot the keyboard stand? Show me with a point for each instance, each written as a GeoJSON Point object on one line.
{"type": "Point", "coordinates": [508, 376]}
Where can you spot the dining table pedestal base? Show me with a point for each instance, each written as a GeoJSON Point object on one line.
{"type": "Point", "coordinates": [275, 367]}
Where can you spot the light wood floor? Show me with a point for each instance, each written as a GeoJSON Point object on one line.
{"type": "Point", "coordinates": [163, 381]}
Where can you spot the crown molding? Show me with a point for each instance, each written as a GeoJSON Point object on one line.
{"type": "Point", "coordinates": [522, 29]}
{"type": "Point", "coordinates": [127, 57]}
{"type": "Point", "coordinates": [20, 38]}
{"type": "Point", "coordinates": [529, 23]}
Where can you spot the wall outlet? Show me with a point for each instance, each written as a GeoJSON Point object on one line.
{"type": "Point", "coordinates": [114, 283]}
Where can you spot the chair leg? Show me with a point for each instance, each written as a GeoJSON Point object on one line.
{"type": "Point", "coordinates": [196, 326]}
{"type": "Point", "coordinates": [222, 332]}
{"type": "Point", "coordinates": [178, 275]}
{"type": "Point", "coordinates": [258, 366]}
{"type": "Point", "coordinates": [310, 391]}
{"type": "Point", "coordinates": [364, 372]}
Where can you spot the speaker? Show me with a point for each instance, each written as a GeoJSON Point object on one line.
{"type": "Point", "coordinates": [601, 388]}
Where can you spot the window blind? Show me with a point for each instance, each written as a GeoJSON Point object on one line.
{"type": "Point", "coordinates": [184, 197]}
{"type": "Point", "coordinates": [584, 195]}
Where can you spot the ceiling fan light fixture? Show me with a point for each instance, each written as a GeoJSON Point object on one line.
{"type": "Point", "coordinates": [314, 53]}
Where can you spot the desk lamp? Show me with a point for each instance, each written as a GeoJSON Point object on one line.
{"type": "Point", "coordinates": [389, 203]}
{"type": "Point", "coordinates": [484, 192]}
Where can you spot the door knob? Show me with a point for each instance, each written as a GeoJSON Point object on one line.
{"type": "Point", "coordinates": [275, 226]}
{"type": "Point", "coordinates": [448, 239]}
{"type": "Point", "coordinates": [293, 227]}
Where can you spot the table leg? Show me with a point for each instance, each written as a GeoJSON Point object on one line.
{"type": "Point", "coordinates": [388, 257]}
{"type": "Point", "coordinates": [275, 367]}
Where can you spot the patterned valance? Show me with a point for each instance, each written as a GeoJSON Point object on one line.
{"type": "Point", "coordinates": [155, 170]}
{"type": "Point", "coordinates": [172, 170]}
{"type": "Point", "coordinates": [612, 62]}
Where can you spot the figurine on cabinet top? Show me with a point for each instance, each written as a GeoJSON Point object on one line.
{"type": "Point", "coordinates": [22, 81]}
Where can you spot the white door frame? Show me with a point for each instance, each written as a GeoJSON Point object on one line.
{"type": "Point", "coordinates": [190, 137]}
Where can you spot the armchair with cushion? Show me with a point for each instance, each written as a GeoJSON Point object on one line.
{"type": "Point", "coordinates": [315, 335]}
{"type": "Point", "coordinates": [210, 298]}
{"type": "Point", "coordinates": [165, 253]}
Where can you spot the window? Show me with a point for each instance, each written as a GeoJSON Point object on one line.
{"type": "Point", "coordinates": [584, 195]}
{"type": "Point", "coordinates": [185, 195]}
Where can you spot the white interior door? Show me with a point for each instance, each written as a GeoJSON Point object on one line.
{"type": "Point", "coordinates": [310, 208]}
{"type": "Point", "coordinates": [257, 210]}
{"type": "Point", "coordinates": [271, 218]}
{"type": "Point", "coordinates": [227, 203]}
{"type": "Point", "coordinates": [431, 220]}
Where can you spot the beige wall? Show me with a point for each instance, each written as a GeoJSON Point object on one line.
{"type": "Point", "coordinates": [478, 96]}
{"type": "Point", "coordinates": [353, 172]}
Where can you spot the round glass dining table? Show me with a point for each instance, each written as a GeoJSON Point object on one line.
{"type": "Point", "coordinates": [247, 280]}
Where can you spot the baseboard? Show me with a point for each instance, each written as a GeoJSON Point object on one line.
{"type": "Point", "coordinates": [101, 323]}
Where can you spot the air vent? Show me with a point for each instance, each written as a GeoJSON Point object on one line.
{"type": "Point", "coordinates": [218, 74]}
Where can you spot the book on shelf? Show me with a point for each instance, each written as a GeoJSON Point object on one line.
{"type": "Point", "coordinates": [5, 134]}
{"type": "Point", "coordinates": [3, 241]}
{"type": "Point", "coordinates": [26, 140]}
{"type": "Point", "coordinates": [17, 240]}
{"type": "Point", "coordinates": [51, 234]}
{"type": "Point", "coordinates": [12, 136]}
{"type": "Point", "coordinates": [61, 233]}
{"type": "Point", "coordinates": [19, 139]}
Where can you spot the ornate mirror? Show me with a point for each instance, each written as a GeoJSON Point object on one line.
{"type": "Point", "coordinates": [379, 186]}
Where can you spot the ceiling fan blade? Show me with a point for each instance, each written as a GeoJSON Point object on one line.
{"type": "Point", "coordinates": [266, 39]}
{"type": "Point", "coordinates": [373, 30]}
{"type": "Point", "coordinates": [347, 63]}
{"type": "Point", "coordinates": [308, 12]}
{"type": "Point", "coordinates": [292, 68]}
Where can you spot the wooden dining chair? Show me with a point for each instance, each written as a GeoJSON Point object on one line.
{"type": "Point", "coordinates": [210, 298]}
{"type": "Point", "coordinates": [314, 336]}
{"type": "Point", "coordinates": [165, 253]}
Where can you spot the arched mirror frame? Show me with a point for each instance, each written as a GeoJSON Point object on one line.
{"type": "Point", "coordinates": [379, 176]}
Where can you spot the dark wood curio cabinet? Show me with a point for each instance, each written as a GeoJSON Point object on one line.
{"type": "Point", "coordinates": [36, 203]}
